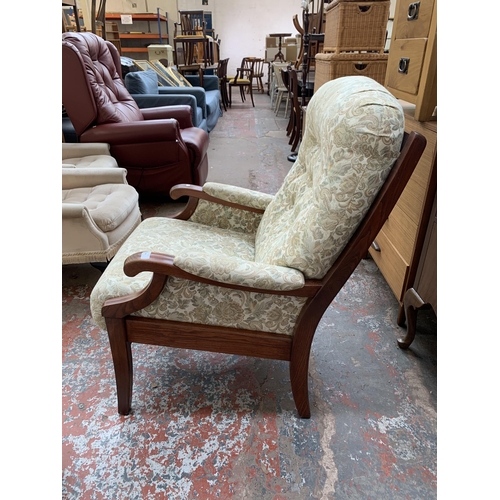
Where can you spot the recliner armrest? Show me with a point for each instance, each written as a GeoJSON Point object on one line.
{"type": "Point", "coordinates": [147, 131]}
{"type": "Point", "coordinates": [180, 113]}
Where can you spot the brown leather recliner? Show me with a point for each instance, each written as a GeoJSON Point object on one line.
{"type": "Point", "coordinates": [159, 147]}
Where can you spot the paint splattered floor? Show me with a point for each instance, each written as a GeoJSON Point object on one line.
{"type": "Point", "coordinates": [211, 426]}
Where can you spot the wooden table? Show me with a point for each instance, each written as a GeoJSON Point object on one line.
{"type": "Point", "coordinates": [279, 54]}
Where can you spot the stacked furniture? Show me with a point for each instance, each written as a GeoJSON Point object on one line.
{"type": "Point", "coordinates": [159, 147]}
{"type": "Point", "coordinates": [99, 209]}
{"type": "Point", "coordinates": [146, 29]}
{"type": "Point", "coordinates": [163, 85]}
{"type": "Point", "coordinates": [405, 249]}
{"type": "Point", "coordinates": [354, 41]}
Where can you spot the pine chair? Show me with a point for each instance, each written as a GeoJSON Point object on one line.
{"type": "Point", "coordinates": [248, 273]}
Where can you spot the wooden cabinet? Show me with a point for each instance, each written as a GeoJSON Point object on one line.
{"type": "Point", "coordinates": [412, 64]}
{"type": "Point", "coordinates": [147, 29]}
{"type": "Point", "coordinates": [398, 247]}
{"type": "Point", "coordinates": [423, 293]}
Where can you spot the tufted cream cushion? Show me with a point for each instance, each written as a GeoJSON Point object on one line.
{"type": "Point", "coordinates": [354, 130]}
{"type": "Point", "coordinates": [108, 204]}
{"type": "Point", "coordinates": [93, 161]}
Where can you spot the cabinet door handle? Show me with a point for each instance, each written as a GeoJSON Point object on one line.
{"type": "Point", "coordinates": [375, 246]}
{"type": "Point", "coordinates": [413, 9]}
{"type": "Point", "coordinates": [404, 62]}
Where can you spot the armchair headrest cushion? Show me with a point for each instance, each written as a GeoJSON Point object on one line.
{"type": "Point", "coordinates": [142, 82]}
{"type": "Point", "coordinates": [353, 134]}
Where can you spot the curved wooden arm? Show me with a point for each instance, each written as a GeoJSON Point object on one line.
{"type": "Point", "coordinates": [196, 193]}
{"type": "Point", "coordinates": [160, 263]}
{"type": "Point", "coordinates": [162, 266]}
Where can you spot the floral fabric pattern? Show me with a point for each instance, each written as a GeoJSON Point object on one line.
{"type": "Point", "coordinates": [353, 135]}
{"type": "Point", "coordinates": [213, 214]}
{"type": "Point", "coordinates": [354, 130]}
{"type": "Point", "coordinates": [189, 301]}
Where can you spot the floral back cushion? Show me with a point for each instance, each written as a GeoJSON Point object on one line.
{"type": "Point", "coordinates": [354, 130]}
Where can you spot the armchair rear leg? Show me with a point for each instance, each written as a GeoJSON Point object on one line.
{"type": "Point", "coordinates": [122, 361]}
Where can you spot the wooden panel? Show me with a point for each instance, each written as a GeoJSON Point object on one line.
{"type": "Point", "coordinates": [417, 28]}
{"type": "Point", "coordinates": [401, 232]}
{"type": "Point", "coordinates": [391, 264]}
{"type": "Point", "coordinates": [414, 50]}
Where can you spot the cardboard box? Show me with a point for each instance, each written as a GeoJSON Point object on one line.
{"type": "Point", "coordinates": [156, 52]}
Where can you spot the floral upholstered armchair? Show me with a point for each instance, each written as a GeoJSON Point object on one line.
{"type": "Point", "coordinates": [248, 273]}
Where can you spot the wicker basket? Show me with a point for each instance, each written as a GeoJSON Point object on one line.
{"type": "Point", "coordinates": [331, 66]}
{"type": "Point", "coordinates": [356, 26]}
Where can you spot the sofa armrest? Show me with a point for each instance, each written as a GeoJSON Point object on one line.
{"type": "Point", "coordinates": [196, 91]}
{"type": "Point", "coordinates": [78, 150]}
{"type": "Point", "coordinates": [210, 82]}
{"type": "Point", "coordinates": [146, 101]}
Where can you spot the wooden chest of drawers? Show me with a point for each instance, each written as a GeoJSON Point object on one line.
{"type": "Point", "coordinates": [411, 67]}
{"type": "Point", "coordinates": [398, 246]}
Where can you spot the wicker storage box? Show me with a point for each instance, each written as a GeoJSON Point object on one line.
{"type": "Point", "coordinates": [331, 66]}
{"type": "Point", "coordinates": [356, 26]}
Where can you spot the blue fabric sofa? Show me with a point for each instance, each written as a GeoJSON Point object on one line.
{"type": "Point", "coordinates": [204, 101]}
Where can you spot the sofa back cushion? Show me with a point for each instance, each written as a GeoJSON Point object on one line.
{"type": "Point", "coordinates": [353, 134]}
{"type": "Point", "coordinates": [142, 82]}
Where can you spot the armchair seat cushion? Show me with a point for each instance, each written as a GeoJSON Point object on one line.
{"type": "Point", "coordinates": [108, 204]}
{"type": "Point", "coordinates": [214, 305]}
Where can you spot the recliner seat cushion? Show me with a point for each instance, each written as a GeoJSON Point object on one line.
{"type": "Point", "coordinates": [108, 204]}
{"type": "Point", "coordinates": [354, 130]}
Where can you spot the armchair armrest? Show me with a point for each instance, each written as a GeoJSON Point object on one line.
{"type": "Point", "coordinates": [88, 177]}
{"type": "Point", "coordinates": [180, 113]}
{"type": "Point", "coordinates": [73, 210]}
{"type": "Point", "coordinates": [79, 150]}
{"type": "Point", "coordinates": [224, 206]}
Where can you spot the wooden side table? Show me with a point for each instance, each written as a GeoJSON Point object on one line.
{"type": "Point", "coordinates": [280, 54]}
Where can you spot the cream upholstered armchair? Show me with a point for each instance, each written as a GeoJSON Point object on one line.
{"type": "Point", "coordinates": [99, 209]}
{"type": "Point", "coordinates": [248, 273]}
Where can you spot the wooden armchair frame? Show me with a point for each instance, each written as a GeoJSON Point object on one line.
{"type": "Point", "coordinates": [124, 329]}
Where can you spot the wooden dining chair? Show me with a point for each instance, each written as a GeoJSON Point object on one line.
{"type": "Point", "coordinates": [243, 81]}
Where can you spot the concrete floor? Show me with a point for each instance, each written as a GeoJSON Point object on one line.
{"type": "Point", "coordinates": [208, 426]}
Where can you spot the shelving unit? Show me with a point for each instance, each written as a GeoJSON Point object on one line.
{"type": "Point", "coordinates": [145, 30]}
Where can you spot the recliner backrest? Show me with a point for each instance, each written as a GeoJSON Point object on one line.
{"type": "Point", "coordinates": [354, 130]}
{"type": "Point", "coordinates": [93, 91]}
